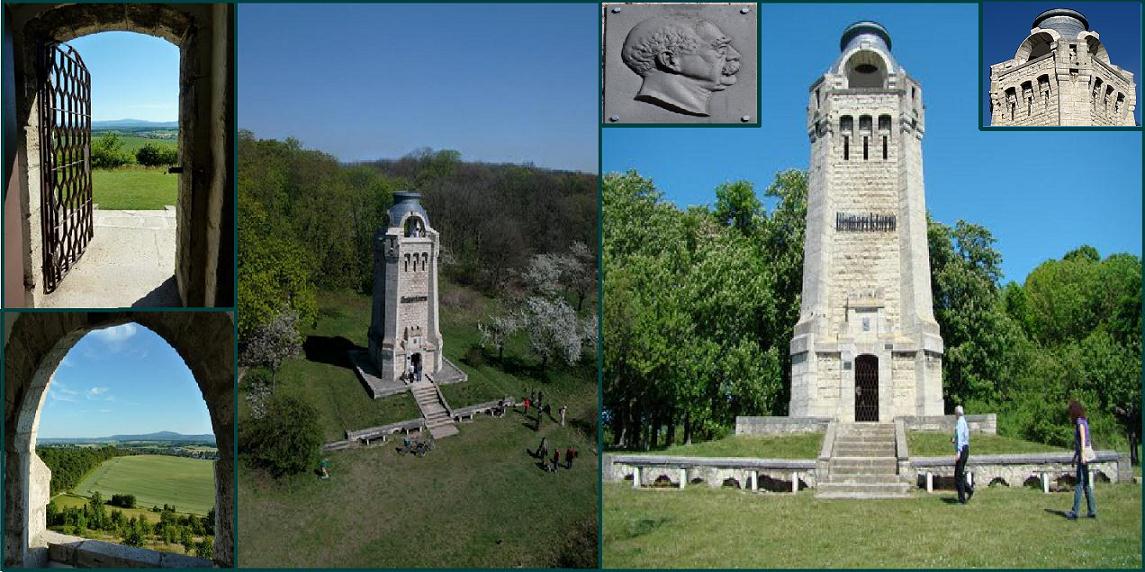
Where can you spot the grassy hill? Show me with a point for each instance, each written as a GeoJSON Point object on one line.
{"type": "Point", "coordinates": [189, 484]}
{"type": "Point", "coordinates": [478, 500]}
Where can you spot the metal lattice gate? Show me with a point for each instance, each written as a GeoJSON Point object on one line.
{"type": "Point", "coordinates": [65, 160]}
{"type": "Point", "coordinates": [866, 388]}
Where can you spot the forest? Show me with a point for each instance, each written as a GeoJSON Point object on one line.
{"type": "Point", "coordinates": [306, 221]}
{"type": "Point", "coordinates": [70, 464]}
{"type": "Point", "coordinates": [699, 306]}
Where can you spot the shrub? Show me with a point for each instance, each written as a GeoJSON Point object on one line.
{"type": "Point", "coordinates": [474, 356]}
{"type": "Point", "coordinates": [124, 501]}
{"type": "Point", "coordinates": [150, 155]}
{"type": "Point", "coordinates": [286, 440]}
{"type": "Point", "coordinates": [107, 152]}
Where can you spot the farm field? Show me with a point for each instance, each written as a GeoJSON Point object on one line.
{"type": "Point", "coordinates": [134, 188]}
{"type": "Point", "coordinates": [478, 500]}
{"type": "Point", "coordinates": [1002, 527]}
{"type": "Point", "coordinates": [189, 484]}
{"type": "Point", "coordinates": [132, 143]}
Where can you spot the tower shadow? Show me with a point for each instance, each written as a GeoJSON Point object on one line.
{"type": "Point", "coordinates": [329, 350]}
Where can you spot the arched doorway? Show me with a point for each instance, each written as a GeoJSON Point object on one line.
{"type": "Point", "coordinates": [415, 366]}
{"type": "Point", "coordinates": [867, 388]}
{"type": "Point", "coordinates": [204, 261]}
{"type": "Point", "coordinates": [35, 343]}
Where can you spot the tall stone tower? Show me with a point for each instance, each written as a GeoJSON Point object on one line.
{"type": "Point", "coordinates": [866, 347]}
{"type": "Point", "coordinates": [1061, 75]}
{"type": "Point", "coordinates": [405, 339]}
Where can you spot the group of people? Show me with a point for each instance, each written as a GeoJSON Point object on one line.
{"type": "Point", "coordinates": [536, 400]}
{"type": "Point", "coordinates": [1083, 454]}
{"type": "Point", "coordinates": [552, 464]}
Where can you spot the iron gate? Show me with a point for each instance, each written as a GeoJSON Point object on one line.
{"type": "Point", "coordinates": [65, 160]}
{"type": "Point", "coordinates": [867, 388]}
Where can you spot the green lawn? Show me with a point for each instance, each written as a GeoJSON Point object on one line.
{"type": "Point", "coordinates": [323, 378]}
{"type": "Point", "coordinates": [187, 483]}
{"type": "Point", "coordinates": [478, 500]}
{"type": "Point", "coordinates": [795, 446]}
{"type": "Point", "coordinates": [134, 188]}
{"type": "Point", "coordinates": [937, 444]}
{"type": "Point", "coordinates": [1002, 527]}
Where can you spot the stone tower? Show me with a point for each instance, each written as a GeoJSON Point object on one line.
{"type": "Point", "coordinates": [866, 347]}
{"type": "Point", "coordinates": [405, 339]}
{"type": "Point", "coordinates": [1061, 75]}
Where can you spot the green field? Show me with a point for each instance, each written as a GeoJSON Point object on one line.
{"type": "Point", "coordinates": [478, 500]}
{"type": "Point", "coordinates": [1001, 527]}
{"type": "Point", "coordinates": [189, 484]}
{"type": "Point", "coordinates": [795, 446]}
{"type": "Point", "coordinates": [134, 188]}
{"type": "Point", "coordinates": [132, 143]}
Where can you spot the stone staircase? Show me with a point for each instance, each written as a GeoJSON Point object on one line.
{"type": "Point", "coordinates": [863, 464]}
{"type": "Point", "coordinates": [433, 409]}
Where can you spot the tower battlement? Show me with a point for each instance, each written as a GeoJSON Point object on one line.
{"type": "Point", "coordinates": [1061, 74]}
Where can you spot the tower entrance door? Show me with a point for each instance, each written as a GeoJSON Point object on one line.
{"type": "Point", "coordinates": [867, 388]}
{"type": "Point", "coordinates": [415, 366]}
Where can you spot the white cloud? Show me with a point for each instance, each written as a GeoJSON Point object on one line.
{"type": "Point", "coordinates": [117, 334]}
{"type": "Point", "coordinates": [96, 392]}
{"type": "Point", "coordinates": [57, 391]}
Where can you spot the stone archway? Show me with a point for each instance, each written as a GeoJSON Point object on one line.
{"type": "Point", "coordinates": [204, 259]}
{"type": "Point", "coordinates": [35, 343]}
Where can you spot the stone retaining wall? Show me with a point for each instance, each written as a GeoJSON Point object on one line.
{"type": "Point", "coordinates": [987, 424]}
{"type": "Point", "coordinates": [776, 425]}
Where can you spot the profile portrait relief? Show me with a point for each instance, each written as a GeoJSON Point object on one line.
{"type": "Point", "coordinates": [682, 60]}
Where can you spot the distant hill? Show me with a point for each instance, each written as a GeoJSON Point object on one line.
{"type": "Point", "coordinates": [133, 124]}
{"type": "Point", "coordinates": [157, 436]}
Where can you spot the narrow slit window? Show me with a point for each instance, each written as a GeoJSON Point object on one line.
{"type": "Point", "coordinates": [846, 147]}
{"type": "Point", "coordinates": [864, 148]}
{"type": "Point", "coordinates": [884, 147]}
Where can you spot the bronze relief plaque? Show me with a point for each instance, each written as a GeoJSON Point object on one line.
{"type": "Point", "coordinates": [681, 63]}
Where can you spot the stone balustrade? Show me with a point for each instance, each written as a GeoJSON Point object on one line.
{"type": "Point", "coordinates": [1016, 470]}
{"type": "Point", "coordinates": [745, 473]}
{"type": "Point", "coordinates": [80, 552]}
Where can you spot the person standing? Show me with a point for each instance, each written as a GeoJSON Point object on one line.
{"type": "Point", "coordinates": [961, 442]}
{"type": "Point", "coordinates": [1082, 455]}
{"type": "Point", "coordinates": [564, 409]}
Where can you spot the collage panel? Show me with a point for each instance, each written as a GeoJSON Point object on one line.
{"type": "Point", "coordinates": [809, 342]}
{"type": "Point", "coordinates": [1048, 65]}
{"type": "Point", "coordinates": [89, 480]}
{"type": "Point", "coordinates": [417, 286]}
{"type": "Point", "coordinates": [121, 120]}
{"type": "Point", "coordinates": [118, 285]}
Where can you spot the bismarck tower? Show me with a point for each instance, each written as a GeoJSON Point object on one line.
{"type": "Point", "coordinates": [867, 346]}
{"type": "Point", "coordinates": [405, 338]}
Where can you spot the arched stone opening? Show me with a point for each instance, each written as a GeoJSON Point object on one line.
{"type": "Point", "coordinates": [664, 481]}
{"type": "Point", "coordinates": [866, 69]}
{"type": "Point", "coordinates": [1036, 45]}
{"type": "Point", "coordinates": [204, 244]}
{"type": "Point", "coordinates": [731, 482]}
{"type": "Point", "coordinates": [35, 343]}
{"type": "Point", "coordinates": [1094, 46]}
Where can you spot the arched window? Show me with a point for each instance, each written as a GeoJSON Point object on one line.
{"type": "Point", "coordinates": [865, 124]}
{"type": "Point", "coordinates": [406, 267]}
{"type": "Point", "coordinates": [884, 123]}
{"type": "Point", "coordinates": [415, 227]}
{"type": "Point", "coordinates": [846, 124]}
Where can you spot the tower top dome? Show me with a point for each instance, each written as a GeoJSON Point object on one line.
{"type": "Point", "coordinates": [865, 29]}
{"type": "Point", "coordinates": [405, 203]}
{"type": "Point", "coordinates": [1068, 23]}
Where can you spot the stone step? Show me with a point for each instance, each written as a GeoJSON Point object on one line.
{"type": "Point", "coordinates": [838, 495]}
{"type": "Point", "coordinates": [869, 488]}
{"type": "Point", "coordinates": [863, 465]}
{"type": "Point", "coordinates": [881, 452]}
{"type": "Point", "coordinates": [843, 478]}
{"type": "Point", "coordinates": [443, 431]}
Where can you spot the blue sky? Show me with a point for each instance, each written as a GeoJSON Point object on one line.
{"type": "Point", "coordinates": [1006, 24]}
{"type": "Point", "coordinates": [122, 380]}
{"type": "Point", "coordinates": [1040, 193]}
{"type": "Point", "coordinates": [499, 83]}
{"type": "Point", "coordinates": [133, 76]}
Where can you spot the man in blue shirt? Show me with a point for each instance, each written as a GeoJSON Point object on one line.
{"type": "Point", "coordinates": [961, 442]}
